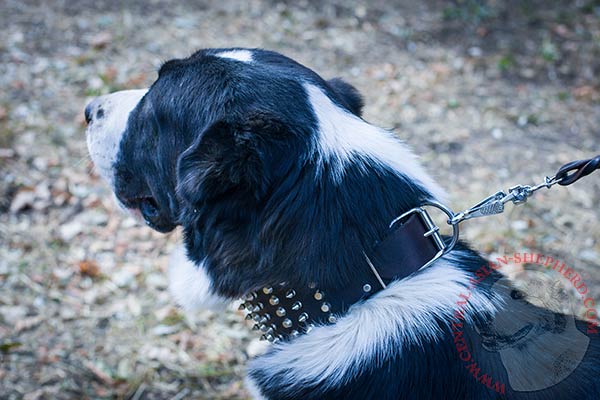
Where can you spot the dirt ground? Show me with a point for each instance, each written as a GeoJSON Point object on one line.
{"type": "Point", "coordinates": [488, 93]}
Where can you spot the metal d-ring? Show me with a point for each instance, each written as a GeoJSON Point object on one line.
{"type": "Point", "coordinates": [450, 214]}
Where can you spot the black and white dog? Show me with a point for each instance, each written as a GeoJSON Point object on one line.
{"type": "Point", "coordinates": [281, 189]}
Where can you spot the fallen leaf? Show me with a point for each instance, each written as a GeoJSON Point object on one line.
{"type": "Point", "coordinates": [586, 93]}
{"type": "Point", "coordinates": [101, 40]}
{"type": "Point", "coordinates": [24, 199]}
{"type": "Point", "coordinates": [89, 268]}
{"type": "Point", "coordinates": [28, 323]}
{"type": "Point", "coordinates": [98, 373]}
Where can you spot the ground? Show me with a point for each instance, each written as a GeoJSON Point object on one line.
{"type": "Point", "coordinates": [488, 93]}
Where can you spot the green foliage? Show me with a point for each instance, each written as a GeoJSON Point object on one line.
{"type": "Point", "coordinates": [549, 51]}
{"type": "Point", "coordinates": [507, 62]}
{"type": "Point", "coordinates": [8, 346]}
{"type": "Point", "coordinates": [468, 10]}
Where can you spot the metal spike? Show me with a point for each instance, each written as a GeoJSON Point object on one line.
{"type": "Point", "coordinates": [250, 296]}
{"type": "Point", "coordinates": [274, 300]}
{"type": "Point", "coordinates": [264, 328]}
{"type": "Point", "coordinates": [267, 290]}
{"type": "Point", "coordinates": [332, 319]}
{"type": "Point", "coordinates": [264, 319]}
{"type": "Point", "coordinates": [318, 295]}
{"type": "Point", "coordinates": [312, 285]}
{"type": "Point", "coordinates": [296, 306]}
{"type": "Point", "coordinates": [256, 317]}
{"type": "Point", "coordinates": [325, 307]}
{"type": "Point", "coordinates": [303, 317]}
{"type": "Point", "coordinates": [270, 337]}
{"type": "Point", "coordinates": [294, 333]}
{"type": "Point", "coordinates": [290, 293]}
{"type": "Point", "coordinates": [280, 312]}
{"type": "Point", "coordinates": [310, 328]}
{"type": "Point", "coordinates": [287, 323]}
{"type": "Point", "coordinates": [270, 330]}
{"type": "Point", "coordinates": [249, 316]}
{"type": "Point", "coordinates": [366, 288]}
{"type": "Point", "coordinates": [258, 307]}
{"type": "Point", "coordinates": [255, 327]}
{"type": "Point", "coordinates": [242, 306]}
{"type": "Point", "coordinates": [263, 337]}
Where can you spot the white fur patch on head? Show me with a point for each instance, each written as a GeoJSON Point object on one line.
{"type": "Point", "coordinates": [238, 55]}
{"type": "Point", "coordinates": [343, 136]}
{"type": "Point", "coordinates": [407, 312]}
{"type": "Point", "coordinates": [190, 285]}
{"type": "Point", "coordinates": [105, 130]}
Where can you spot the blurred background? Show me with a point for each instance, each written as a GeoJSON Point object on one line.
{"type": "Point", "coordinates": [488, 93]}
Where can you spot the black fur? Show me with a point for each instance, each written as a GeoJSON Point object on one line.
{"type": "Point", "coordinates": [349, 95]}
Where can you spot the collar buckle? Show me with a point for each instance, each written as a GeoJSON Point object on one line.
{"type": "Point", "coordinates": [433, 231]}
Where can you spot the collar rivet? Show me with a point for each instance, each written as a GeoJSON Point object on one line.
{"type": "Point", "coordinates": [303, 317]}
{"type": "Point", "coordinates": [274, 300]}
{"type": "Point", "coordinates": [280, 312]}
{"type": "Point", "coordinates": [267, 290]}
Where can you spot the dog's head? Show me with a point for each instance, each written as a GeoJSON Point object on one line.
{"type": "Point", "coordinates": [222, 120]}
{"type": "Point", "coordinates": [262, 162]}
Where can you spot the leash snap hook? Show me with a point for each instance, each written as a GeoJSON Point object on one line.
{"type": "Point", "coordinates": [491, 205]}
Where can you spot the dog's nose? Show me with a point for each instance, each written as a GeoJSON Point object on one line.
{"type": "Point", "coordinates": [88, 112]}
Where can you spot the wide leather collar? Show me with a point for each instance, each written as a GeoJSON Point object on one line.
{"type": "Point", "coordinates": [282, 311]}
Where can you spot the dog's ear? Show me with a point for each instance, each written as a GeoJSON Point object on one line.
{"type": "Point", "coordinates": [348, 94]}
{"type": "Point", "coordinates": [242, 157]}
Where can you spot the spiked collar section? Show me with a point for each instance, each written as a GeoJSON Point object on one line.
{"type": "Point", "coordinates": [282, 311]}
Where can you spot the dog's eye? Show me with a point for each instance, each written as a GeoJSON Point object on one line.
{"type": "Point", "coordinates": [149, 208]}
{"type": "Point", "coordinates": [517, 294]}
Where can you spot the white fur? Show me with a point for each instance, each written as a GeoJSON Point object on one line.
{"type": "Point", "coordinates": [238, 55]}
{"type": "Point", "coordinates": [253, 390]}
{"type": "Point", "coordinates": [190, 285]}
{"type": "Point", "coordinates": [407, 312]}
{"type": "Point", "coordinates": [344, 136]}
{"type": "Point", "coordinates": [104, 135]}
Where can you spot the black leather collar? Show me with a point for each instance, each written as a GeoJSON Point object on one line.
{"type": "Point", "coordinates": [282, 312]}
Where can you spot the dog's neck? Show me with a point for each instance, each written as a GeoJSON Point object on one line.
{"type": "Point", "coordinates": [317, 220]}
{"type": "Point", "coordinates": [312, 233]}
